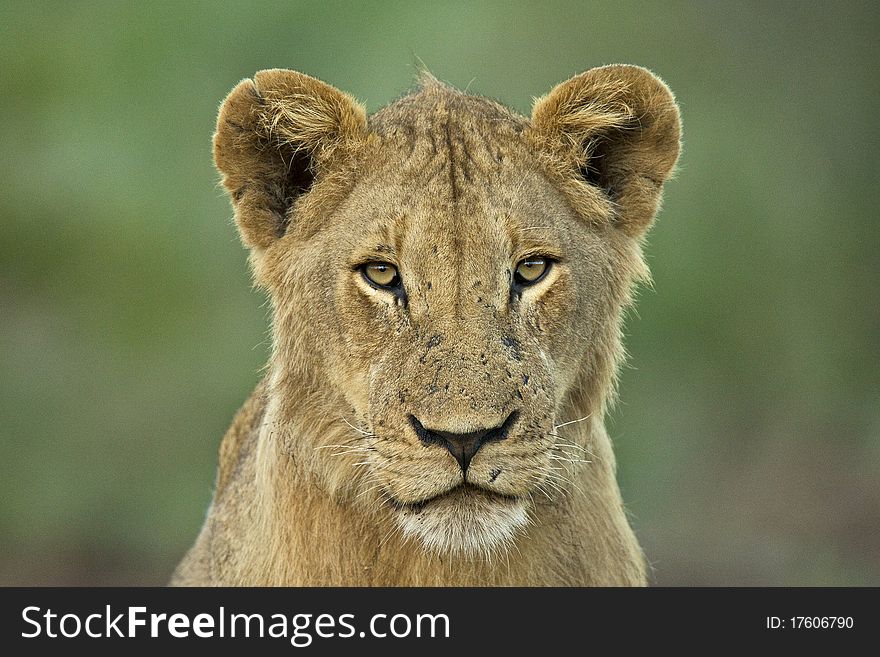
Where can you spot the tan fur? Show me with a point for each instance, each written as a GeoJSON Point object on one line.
{"type": "Point", "coordinates": [322, 478]}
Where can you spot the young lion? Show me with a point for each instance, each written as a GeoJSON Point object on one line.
{"type": "Point", "coordinates": [447, 280]}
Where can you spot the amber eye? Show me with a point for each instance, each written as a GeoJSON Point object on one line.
{"type": "Point", "coordinates": [531, 270]}
{"type": "Point", "coordinates": [381, 274]}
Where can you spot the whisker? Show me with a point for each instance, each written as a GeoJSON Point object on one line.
{"type": "Point", "coordinates": [355, 441]}
{"type": "Point", "coordinates": [346, 449]}
{"type": "Point", "coordinates": [552, 476]}
{"type": "Point", "coordinates": [565, 424]}
{"type": "Point", "coordinates": [554, 484]}
{"type": "Point", "coordinates": [539, 484]}
{"type": "Point", "coordinates": [567, 460]}
{"type": "Point", "coordinates": [368, 490]}
{"type": "Point", "coordinates": [560, 483]}
{"type": "Point", "coordinates": [360, 431]}
{"type": "Point", "coordinates": [394, 529]}
{"type": "Point", "coordinates": [561, 444]}
{"type": "Point", "coordinates": [543, 488]}
{"type": "Point", "coordinates": [570, 454]}
{"type": "Point", "coordinates": [564, 448]}
{"type": "Point", "coordinates": [356, 451]}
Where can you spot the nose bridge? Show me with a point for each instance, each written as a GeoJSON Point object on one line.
{"type": "Point", "coordinates": [466, 312]}
{"type": "Point", "coordinates": [471, 346]}
{"type": "Point", "coordinates": [460, 366]}
{"type": "Point", "coordinates": [466, 298]}
{"type": "Point", "coordinates": [465, 375]}
{"type": "Point", "coordinates": [455, 262]}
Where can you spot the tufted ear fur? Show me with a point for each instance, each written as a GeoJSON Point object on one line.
{"type": "Point", "coordinates": [616, 128]}
{"type": "Point", "coordinates": [276, 134]}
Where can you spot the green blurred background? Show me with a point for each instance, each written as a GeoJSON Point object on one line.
{"type": "Point", "coordinates": [748, 435]}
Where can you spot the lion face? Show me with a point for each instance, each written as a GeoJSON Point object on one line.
{"type": "Point", "coordinates": [465, 293]}
{"type": "Point", "coordinates": [444, 278]}
{"type": "Point", "coordinates": [457, 368]}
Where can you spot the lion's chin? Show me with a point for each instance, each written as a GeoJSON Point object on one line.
{"type": "Point", "coordinates": [466, 521]}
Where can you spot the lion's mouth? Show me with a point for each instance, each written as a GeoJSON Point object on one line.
{"type": "Point", "coordinates": [465, 519]}
{"type": "Point", "coordinates": [461, 492]}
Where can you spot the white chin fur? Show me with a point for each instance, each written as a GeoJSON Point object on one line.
{"type": "Point", "coordinates": [465, 522]}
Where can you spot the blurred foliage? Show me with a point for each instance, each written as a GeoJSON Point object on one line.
{"type": "Point", "coordinates": [748, 432]}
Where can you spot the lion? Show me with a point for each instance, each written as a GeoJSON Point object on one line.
{"type": "Point", "coordinates": [447, 280]}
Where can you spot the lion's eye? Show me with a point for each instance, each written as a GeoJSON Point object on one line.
{"type": "Point", "coordinates": [531, 270]}
{"type": "Point", "coordinates": [381, 274]}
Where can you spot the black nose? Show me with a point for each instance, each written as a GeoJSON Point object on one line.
{"type": "Point", "coordinates": [462, 446]}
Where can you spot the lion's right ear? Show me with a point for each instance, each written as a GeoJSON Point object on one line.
{"type": "Point", "coordinates": [275, 136]}
{"type": "Point", "coordinates": [616, 129]}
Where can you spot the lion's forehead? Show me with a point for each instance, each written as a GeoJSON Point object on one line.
{"type": "Point", "coordinates": [447, 141]}
{"type": "Point", "coordinates": [451, 198]}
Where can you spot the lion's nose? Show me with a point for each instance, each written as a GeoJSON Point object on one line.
{"type": "Point", "coordinates": [462, 446]}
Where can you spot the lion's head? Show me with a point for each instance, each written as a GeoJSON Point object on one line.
{"type": "Point", "coordinates": [447, 279]}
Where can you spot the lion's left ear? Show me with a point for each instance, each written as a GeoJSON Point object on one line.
{"type": "Point", "coordinates": [277, 135]}
{"type": "Point", "coordinates": [617, 128]}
